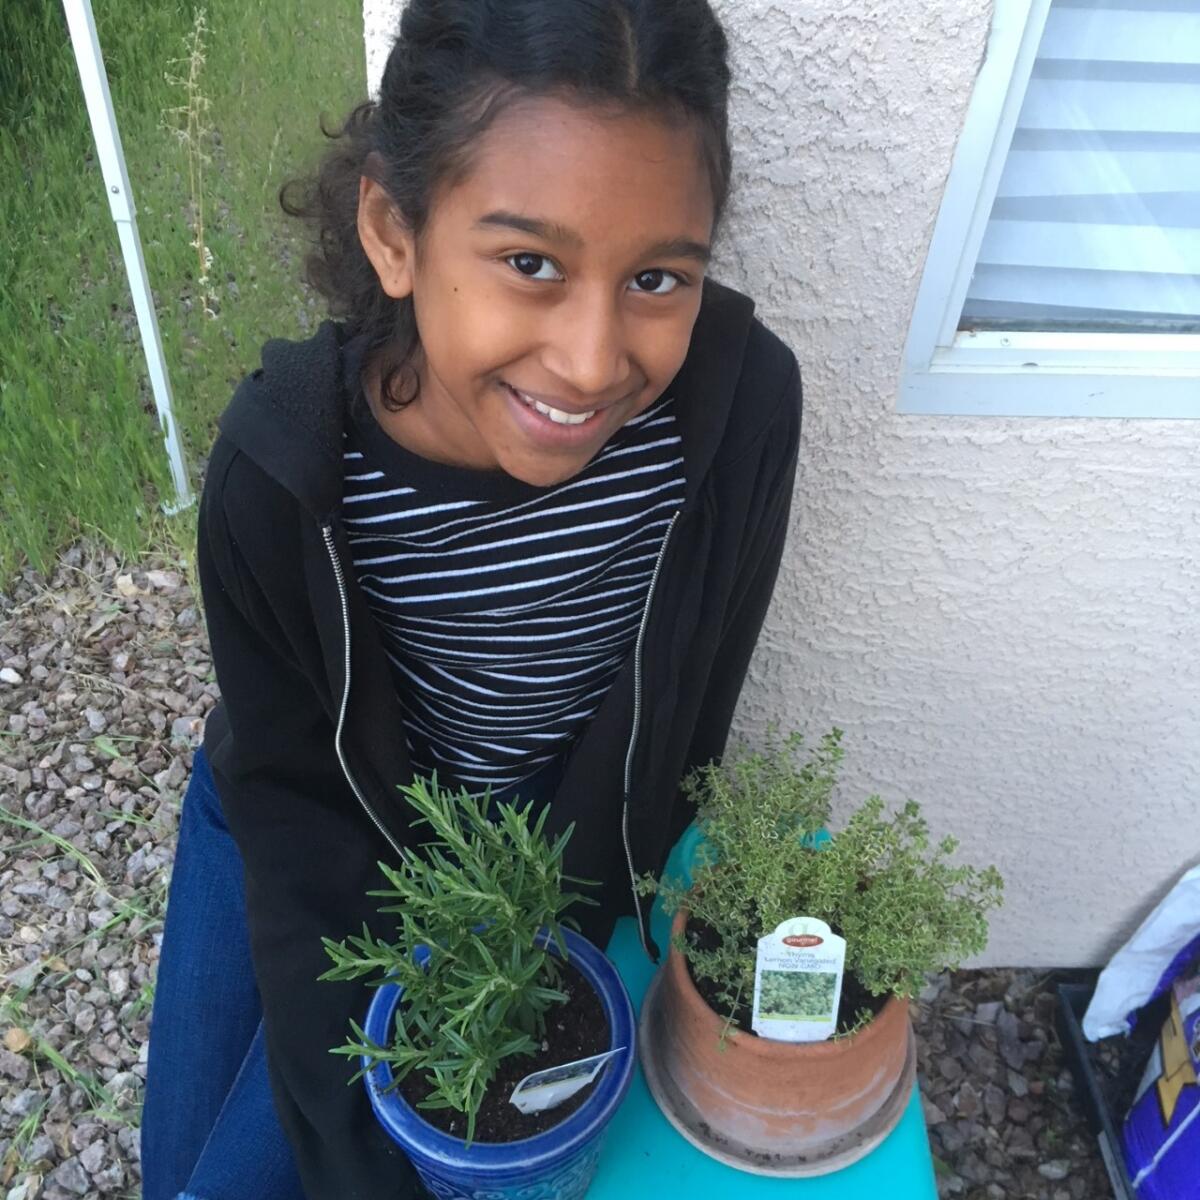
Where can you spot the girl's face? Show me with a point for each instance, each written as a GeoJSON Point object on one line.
{"type": "Point", "coordinates": [555, 289]}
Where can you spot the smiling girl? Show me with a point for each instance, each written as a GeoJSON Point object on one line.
{"type": "Point", "coordinates": [513, 515]}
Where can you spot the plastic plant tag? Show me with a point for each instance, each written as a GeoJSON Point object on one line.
{"type": "Point", "coordinates": [798, 981]}
{"type": "Point", "coordinates": [549, 1088]}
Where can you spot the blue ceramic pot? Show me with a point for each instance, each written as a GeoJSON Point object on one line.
{"type": "Point", "coordinates": [555, 1165]}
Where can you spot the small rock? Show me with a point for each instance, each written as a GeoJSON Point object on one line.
{"type": "Point", "coordinates": [41, 1149]}
{"type": "Point", "coordinates": [1017, 1084]}
{"type": "Point", "coordinates": [118, 982]}
{"type": "Point", "coordinates": [25, 977]}
{"type": "Point", "coordinates": [950, 1068]}
{"type": "Point", "coordinates": [111, 1179]}
{"type": "Point", "coordinates": [952, 1140]}
{"type": "Point", "coordinates": [987, 1013]}
{"type": "Point", "coordinates": [13, 1066]}
{"type": "Point", "coordinates": [1020, 1144]}
{"type": "Point", "coordinates": [967, 1101]}
{"type": "Point", "coordinates": [186, 727]}
{"type": "Point", "coordinates": [94, 1156]}
{"type": "Point", "coordinates": [982, 1059]}
{"type": "Point", "coordinates": [23, 1103]}
{"type": "Point", "coordinates": [8, 675]}
{"type": "Point", "coordinates": [1055, 1169]}
{"type": "Point", "coordinates": [125, 1088]}
{"type": "Point", "coordinates": [103, 1055]}
{"type": "Point", "coordinates": [163, 581]}
{"type": "Point", "coordinates": [70, 1176]}
{"type": "Point", "coordinates": [16, 1039]}
{"type": "Point", "coordinates": [933, 988]}
{"type": "Point", "coordinates": [84, 1134]}
{"type": "Point", "coordinates": [1011, 1048]}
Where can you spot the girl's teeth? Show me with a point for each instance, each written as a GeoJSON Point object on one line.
{"type": "Point", "coordinates": [556, 414]}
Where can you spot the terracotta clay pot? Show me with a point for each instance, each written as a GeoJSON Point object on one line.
{"type": "Point", "coordinates": [772, 1107]}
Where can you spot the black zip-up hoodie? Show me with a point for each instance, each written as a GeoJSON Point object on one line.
{"type": "Point", "coordinates": [307, 744]}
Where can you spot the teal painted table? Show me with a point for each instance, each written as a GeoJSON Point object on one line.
{"type": "Point", "coordinates": [644, 1157]}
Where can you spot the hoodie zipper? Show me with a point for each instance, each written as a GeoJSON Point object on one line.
{"type": "Point", "coordinates": [633, 735]}
{"type": "Point", "coordinates": [327, 534]}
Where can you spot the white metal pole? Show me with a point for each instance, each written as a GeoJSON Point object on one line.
{"type": "Point", "coordinates": [86, 44]}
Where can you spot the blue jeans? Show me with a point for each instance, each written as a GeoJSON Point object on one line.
{"type": "Point", "coordinates": [209, 1127]}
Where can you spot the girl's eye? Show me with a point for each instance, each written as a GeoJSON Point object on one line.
{"type": "Point", "coordinates": [534, 266]}
{"type": "Point", "coordinates": [656, 282]}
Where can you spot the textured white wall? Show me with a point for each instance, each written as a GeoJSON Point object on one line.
{"type": "Point", "coordinates": [1002, 613]}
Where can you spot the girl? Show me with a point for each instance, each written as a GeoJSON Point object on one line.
{"type": "Point", "coordinates": [515, 518]}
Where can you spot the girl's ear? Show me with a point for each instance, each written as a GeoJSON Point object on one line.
{"type": "Point", "coordinates": [386, 238]}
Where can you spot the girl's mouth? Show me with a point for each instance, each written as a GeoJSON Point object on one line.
{"type": "Point", "coordinates": [549, 426]}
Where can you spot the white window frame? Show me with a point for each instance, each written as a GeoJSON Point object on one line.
{"type": "Point", "coordinates": [1035, 374]}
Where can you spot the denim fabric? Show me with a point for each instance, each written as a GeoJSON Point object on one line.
{"type": "Point", "coordinates": [209, 1129]}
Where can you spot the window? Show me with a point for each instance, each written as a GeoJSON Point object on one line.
{"type": "Point", "coordinates": [1063, 278]}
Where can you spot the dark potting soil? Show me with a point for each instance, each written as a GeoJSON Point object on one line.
{"type": "Point", "coordinates": [576, 1029]}
{"type": "Point", "coordinates": [853, 1000]}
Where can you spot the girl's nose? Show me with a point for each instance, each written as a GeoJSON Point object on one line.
{"type": "Point", "coordinates": [587, 348]}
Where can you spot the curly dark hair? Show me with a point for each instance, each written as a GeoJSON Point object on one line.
{"type": "Point", "coordinates": [455, 65]}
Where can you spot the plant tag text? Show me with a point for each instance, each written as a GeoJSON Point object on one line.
{"type": "Point", "coordinates": [798, 981]}
{"type": "Point", "coordinates": [549, 1088]}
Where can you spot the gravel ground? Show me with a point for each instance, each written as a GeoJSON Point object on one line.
{"type": "Point", "coordinates": [105, 679]}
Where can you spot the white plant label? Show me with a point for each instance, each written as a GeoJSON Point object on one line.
{"type": "Point", "coordinates": [798, 981]}
{"type": "Point", "coordinates": [549, 1088]}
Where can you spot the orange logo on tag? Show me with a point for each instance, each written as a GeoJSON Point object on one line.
{"type": "Point", "coordinates": [802, 940]}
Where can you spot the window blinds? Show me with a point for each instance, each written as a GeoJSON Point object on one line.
{"type": "Point", "coordinates": [1096, 222]}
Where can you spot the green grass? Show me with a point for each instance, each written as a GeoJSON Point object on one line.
{"type": "Point", "coordinates": [80, 449]}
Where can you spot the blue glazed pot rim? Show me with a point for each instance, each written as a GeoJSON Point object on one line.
{"type": "Point", "coordinates": [423, 1141]}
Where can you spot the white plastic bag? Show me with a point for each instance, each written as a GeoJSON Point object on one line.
{"type": "Point", "coordinates": [1144, 967]}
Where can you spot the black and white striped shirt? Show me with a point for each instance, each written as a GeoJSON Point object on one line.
{"type": "Point", "coordinates": [506, 609]}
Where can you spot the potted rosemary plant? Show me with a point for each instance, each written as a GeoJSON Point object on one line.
{"type": "Point", "coordinates": [485, 985]}
{"type": "Point", "coordinates": [769, 887]}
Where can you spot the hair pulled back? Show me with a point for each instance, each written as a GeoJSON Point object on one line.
{"type": "Point", "coordinates": [455, 65]}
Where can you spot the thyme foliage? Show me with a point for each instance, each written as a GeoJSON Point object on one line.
{"type": "Point", "coordinates": [485, 896]}
{"type": "Point", "coordinates": [902, 906]}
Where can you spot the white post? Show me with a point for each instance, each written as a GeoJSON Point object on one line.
{"type": "Point", "coordinates": [82, 25]}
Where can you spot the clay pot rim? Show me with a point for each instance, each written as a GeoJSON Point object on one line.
{"type": "Point", "coordinates": [894, 1009]}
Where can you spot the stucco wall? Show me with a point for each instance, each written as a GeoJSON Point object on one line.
{"type": "Point", "coordinates": [1002, 613]}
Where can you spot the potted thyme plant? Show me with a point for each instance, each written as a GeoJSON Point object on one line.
{"type": "Point", "coordinates": [484, 985]}
{"type": "Point", "coordinates": [765, 857]}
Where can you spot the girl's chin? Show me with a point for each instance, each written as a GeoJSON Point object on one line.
{"type": "Point", "coordinates": [541, 473]}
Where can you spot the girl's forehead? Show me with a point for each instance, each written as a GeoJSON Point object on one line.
{"type": "Point", "coordinates": [601, 172]}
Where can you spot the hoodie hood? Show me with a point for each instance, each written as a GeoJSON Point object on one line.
{"type": "Point", "coordinates": [288, 415]}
